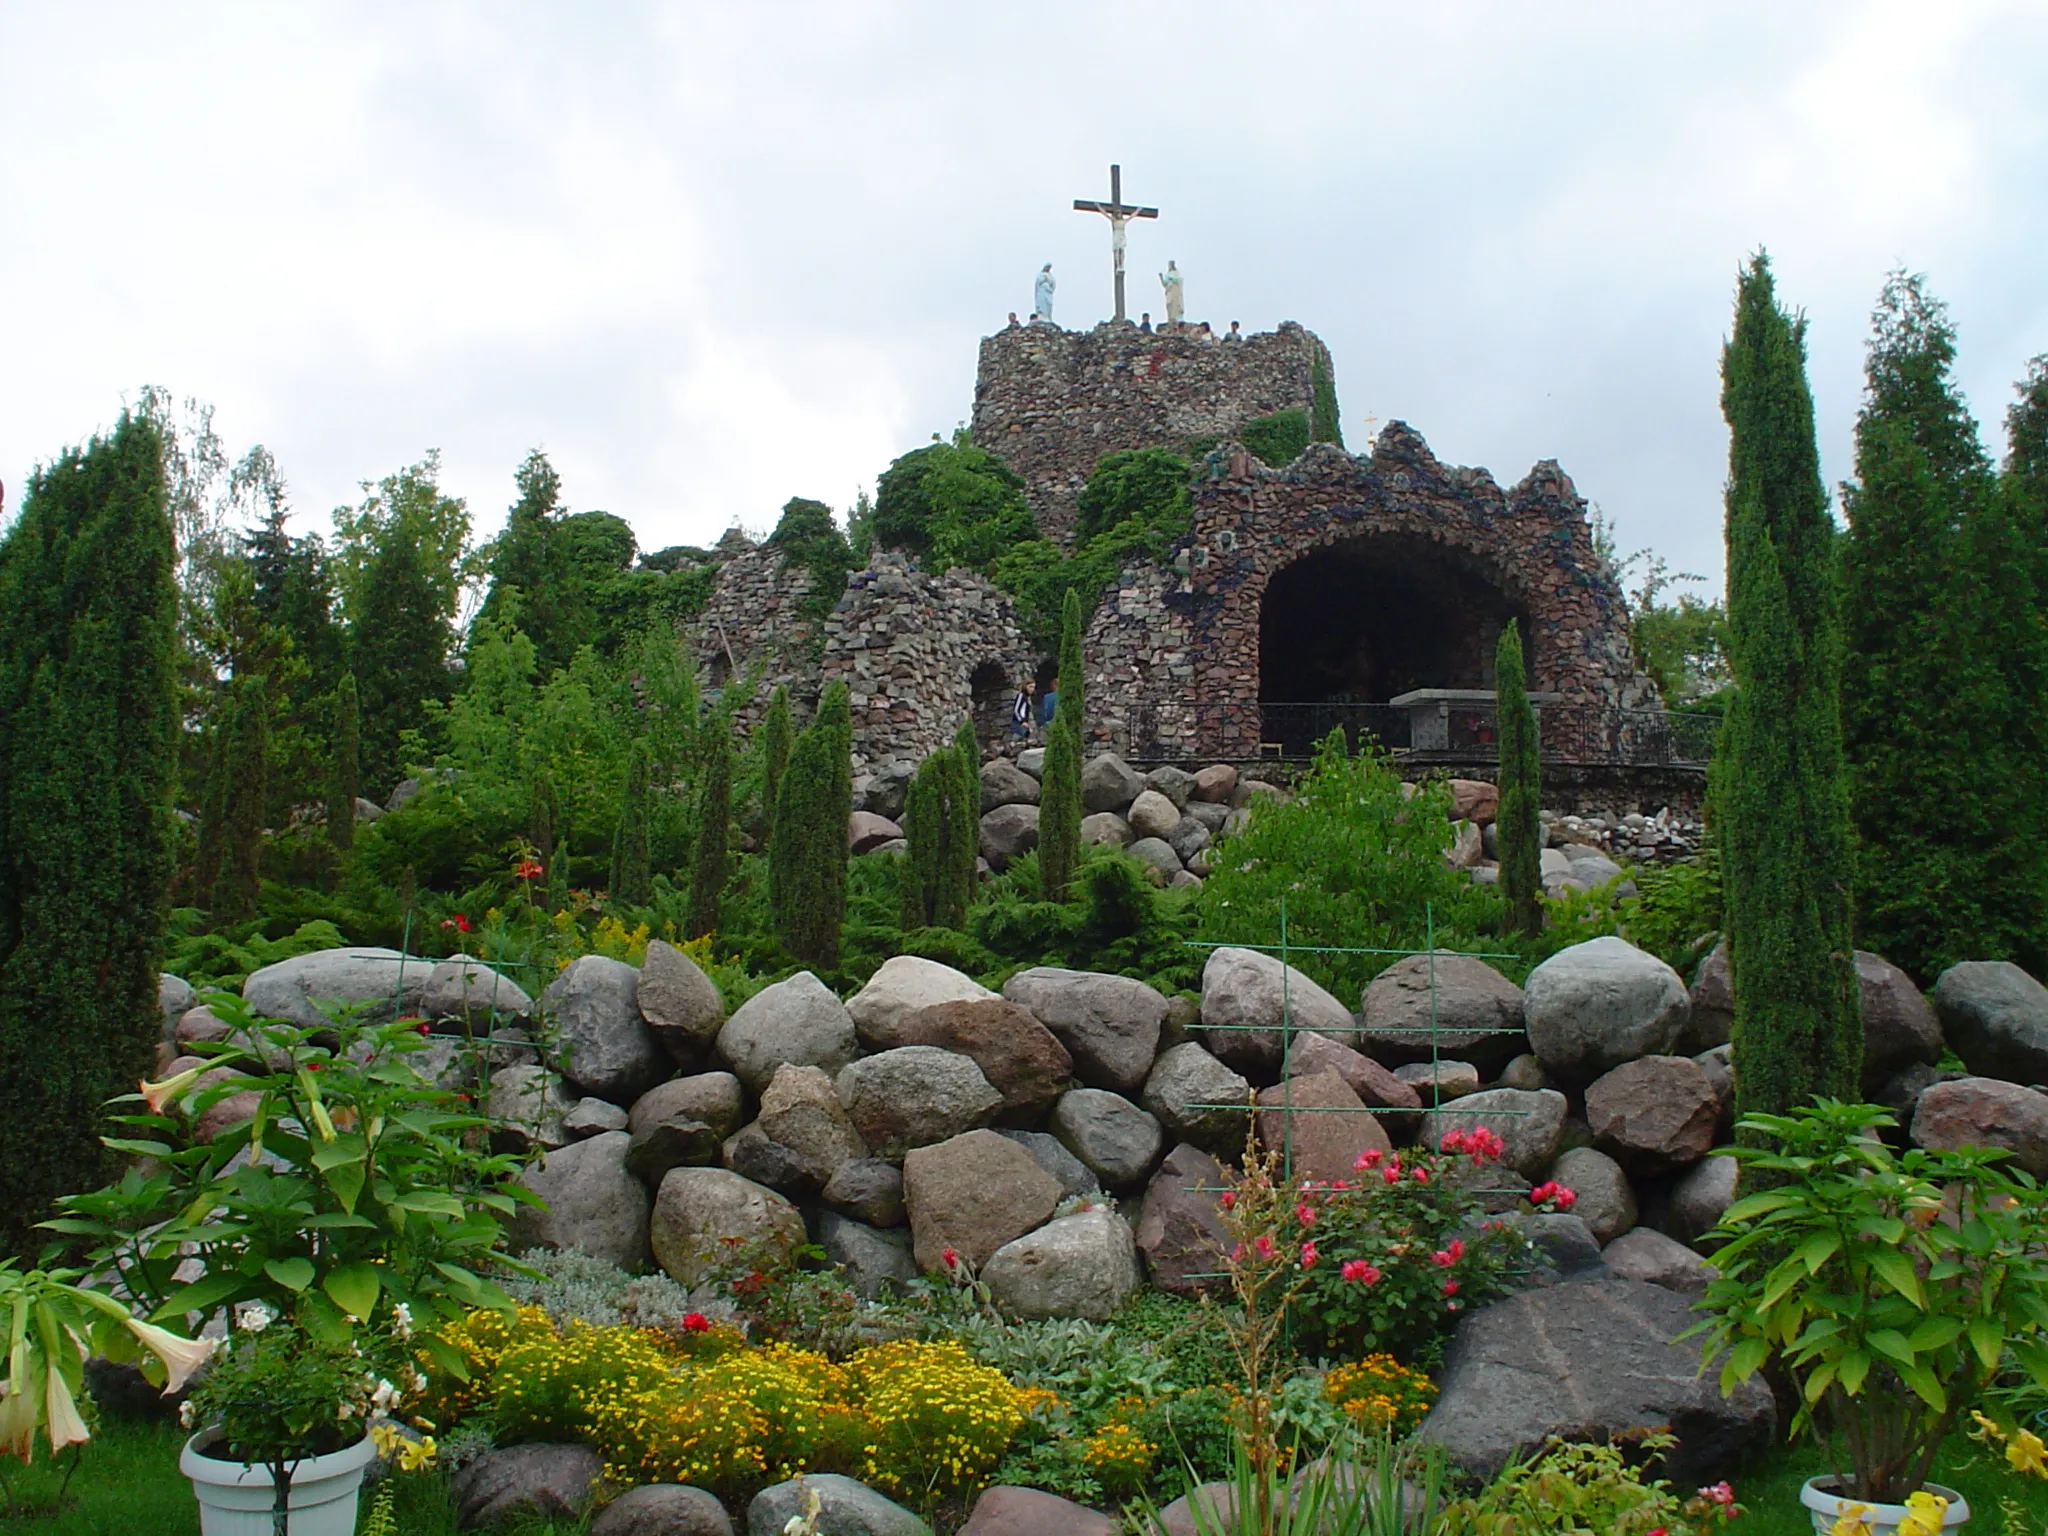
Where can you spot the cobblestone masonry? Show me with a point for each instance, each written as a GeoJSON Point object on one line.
{"type": "Point", "coordinates": [1050, 402]}
{"type": "Point", "coordinates": [1181, 643]}
{"type": "Point", "coordinates": [752, 626]}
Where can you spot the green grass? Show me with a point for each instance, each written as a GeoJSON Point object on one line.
{"type": "Point", "coordinates": [1769, 1490]}
{"type": "Point", "coordinates": [129, 1485]}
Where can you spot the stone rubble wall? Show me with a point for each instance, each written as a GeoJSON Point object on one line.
{"type": "Point", "coordinates": [1050, 402]}
{"type": "Point", "coordinates": [1174, 651]}
{"type": "Point", "coordinates": [752, 626]}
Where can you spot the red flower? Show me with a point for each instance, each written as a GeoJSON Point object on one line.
{"type": "Point", "coordinates": [1228, 1200]}
{"type": "Point", "coordinates": [949, 1257]}
{"type": "Point", "coordinates": [1359, 1271]}
{"type": "Point", "coordinates": [423, 1027]}
{"type": "Point", "coordinates": [1450, 1287]}
{"type": "Point", "coordinates": [1305, 1214]}
{"type": "Point", "coordinates": [1370, 1158]}
{"type": "Point", "coordinates": [527, 869]}
{"type": "Point", "coordinates": [462, 924]}
{"type": "Point", "coordinates": [1308, 1255]}
{"type": "Point", "coordinates": [696, 1322]}
{"type": "Point", "coordinates": [1422, 1175]}
{"type": "Point", "coordinates": [1566, 1198]}
{"type": "Point", "coordinates": [1658, 1532]}
{"type": "Point", "coordinates": [1391, 1174]}
{"type": "Point", "coordinates": [1720, 1493]}
{"type": "Point", "coordinates": [1263, 1246]}
{"type": "Point", "coordinates": [1339, 1184]}
{"type": "Point", "coordinates": [1456, 1249]}
{"type": "Point", "coordinates": [1454, 1141]}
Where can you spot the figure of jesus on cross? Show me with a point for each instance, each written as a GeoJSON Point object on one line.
{"type": "Point", "coordinates": [1119, 213]}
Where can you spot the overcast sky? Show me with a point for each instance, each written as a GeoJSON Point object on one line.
{"type": "Point", "coordinates": [712, 256]}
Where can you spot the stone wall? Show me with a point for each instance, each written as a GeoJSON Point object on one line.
{"type": "Point", "coordinates": [1050, 402]}
{"type": "Point", "coordinates": [752, 626]}
{"type": "Point", "coordinates": [1174, 651]}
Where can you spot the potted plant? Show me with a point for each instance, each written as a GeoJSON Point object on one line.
{"type": "Point", "coordinates": [53, 1325]}
{"type": "Point", "coordinates": [1889, 1288]}
{"type": "Point", "coordinates": [285, 1423]}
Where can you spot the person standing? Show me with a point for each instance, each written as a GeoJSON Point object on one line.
{"type": "Point", "coordinates": [1021, 711]}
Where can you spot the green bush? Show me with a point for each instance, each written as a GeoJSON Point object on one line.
{"type": "Point", "coordinates": [1280, 438]}
{"type": "Point", "coordinates": [1357, 865]}
{"type": "Point", "coordinates": [951, 504]}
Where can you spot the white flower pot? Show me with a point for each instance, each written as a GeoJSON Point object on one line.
{"type": "Point", "coordinates": [236, 1500]}
{"type": "Point", "coordinates": [1827, 1506]}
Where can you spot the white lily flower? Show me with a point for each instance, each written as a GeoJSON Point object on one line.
{"type": "Point", "coordinates": [61, 1420]}
{"type": "Point", "coordinates": [181, 1357]}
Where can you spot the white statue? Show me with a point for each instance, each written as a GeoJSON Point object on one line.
{"type": "Point", "coordinates": [1041, 297]}
{"type": "Point", "coordinates": [1170, 281]}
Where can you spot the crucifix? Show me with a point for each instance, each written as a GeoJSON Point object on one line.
{"type": "Point", "coordinates": [1119, 213]}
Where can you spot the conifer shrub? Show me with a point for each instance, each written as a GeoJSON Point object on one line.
{"type": "Point", "coordinates": [1059, 803]}
{"type": "Point", "coordinates": [775, 743]}
{"type": "Point", "coordinates": [346, 784]}
{"type": "Point", "coordinates": [807, 869]}
{"type": "Point", "coordinates": [630, 869]}
{"type": "Point", "coordinates": [1519, 820]}
{"type": "Point", "coordinates": [243, 764]}
{"type": "Point", "coordinates": [709, 868]}
{"type": "Point", "coordinates": [88, 737]}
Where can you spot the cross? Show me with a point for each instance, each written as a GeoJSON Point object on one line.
{"type": "Point", "coordinates": [1118, 212]}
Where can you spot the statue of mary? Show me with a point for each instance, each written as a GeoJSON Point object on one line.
{"type": "Point", "coordinates": [1041, 297]}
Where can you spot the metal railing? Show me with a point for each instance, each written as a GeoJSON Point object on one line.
{"type": "Point", "coordinates": [1467, 734]}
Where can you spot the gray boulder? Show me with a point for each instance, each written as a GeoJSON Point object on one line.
{"type": "Point", "coordinates": [1438, 1082]}
{"type": "Point", "coordinates": [1177, 784]}
{"type": "Point", "coordinates": [874, 1261]}
{"type": "Point", "coordinates": [1032, 761]}
{"type": "Point", "coordinates": [173, 1000]}
{"type": "Point", "coordinates": [1606, 1203]}
{"type": "Point", "coordinates": [799, 1020]}
{"type": "Point", "coordinates": [1242, 1007]}
{"type": "Point", "coordinates": [1375, 1086]}
{"type": "Point", "coordinates": [1083, 1265]}
{"type": "Point", "coordinates": [1161, 863]}
{"type": "Point", "coordinates": [602, 1044]}
{"type": "Point", "coordinates": [1474, 1012]}
{"type": "Point", "coordinates": [1196, 1098]}
{"type": "Point", "coordinates": [1004, 783]}
{"type": "Point", "coordinates": [1009, 1511]}
{"type": "Point", "coordinates": [1108, 784]}
{"type": "Point", "coordinates": [868, 833]}
{"type": "Point", "coordinates": [1106, 829]}
{"type": "Point", "coordinates": [1153, 815]}
{"type": "Point", "coordinates": [1648, 1255]}
{"type": "Point", "coordinates": [846, 1508]}
{"type": "Point", "coordinates": [1118, 1141]}
{"type": "Point", "coordinates": [907, 984]}
{"type": "Point", "coordinates": [1529, 1124]}
{"type": "Point", "coordinates": [1700, 1196]}
{"type": "Point", "coordinates": [1996, 1018]}
{"type": "Point", "coordinates": [802, 1116]}
{"type": "Point", "coordinates": [1900, 1028]}
{"type": "Point", "coordinates": [973, 1194]}
{"type": "Point", "coordinates": [1596, 1005]}
{"type": "Point", "coordinates": [1022, 1059]}
{"type": "Point", "coordinates": [1109, 1024]}
{"type": "Point", "coordinates": [1713, 1005]}
{"type": "Point", "coordinates": [1008, 832]}
{"type": "Point", "coordinates": [711, 1098]}
{"type": "Point", "coordinates": [1985, 1112]}
{"type": "Point", "coordinates": [464, 988]}
{"type": "Point", "coordinates": [869, 1190]}
{"type": "Point", "coordinates": [594, 1203]}
{"type": "Point", "coordinates": [518, 1482]}
{"type": "Point", "coordinates": [1189, 840]}
{"type": "Point", "coordinates": [528, 1102]}
{"type": "Point", "coordinates": [1180, 1228]}
{"type": "Point", "coordinates": [704, 1217]}
{"type": "Point", "coordinates": [1590, 1360]}
{"type": "Point", "coordinates": [385, 981]}
{"type": "Point", "coordinates": [913, 1096]}
{"type": "Point", "coordinates": [1052, 1155]}
{"type": "Point", "coordinates": [592, 1117]}
{"type": "Point", "coordinates": [663, 1509]}
{"type": "Point", "coordinates": [680, 1003]}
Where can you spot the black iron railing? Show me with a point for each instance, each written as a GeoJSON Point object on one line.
{"type": "Point", "coordinates": [1463, 733]}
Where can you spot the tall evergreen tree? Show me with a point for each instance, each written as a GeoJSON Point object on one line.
{"type": "Point", "coordinates": [714, 828]}
{"type": "Point", "coordinates": [775, 742]}
{"type": "Point", "coordinates": [532, 566]}
{"type": "Point", "coordinates": [243, 765]}
{"type": "Point", "coordinates": [1059, 801]}
{"type": "Point", "coordinates": [346, 785]}
{"type": "Point", "coordinates": [926, 828]}
{"type": "Point", "coordinates": [543, 815]}
{"type": "Point", "coordinates": [808, 860]}
{"type": "Point", "coordinates": [1946, 682]}
{"type": "Point", "coordinates": [2026, 438]}
{"type": "Point", "coordinates": [88, 734]}
{"type": "Point", "coordinates": [631, 881]}
{"type": "Point", "coordinates": [1520, 822]}
{"type": "Point", "coordinates": [963, 847]}
{"type": "Point", "coordinates": [1778, 780]}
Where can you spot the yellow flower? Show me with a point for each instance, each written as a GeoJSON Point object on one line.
{"type": "Point", "coordinates": [1851, 1522]}
{"type": "Point", "coordinates": [2025, 1453]}
{"type": "Point", "coordinates": [1923, 1514]}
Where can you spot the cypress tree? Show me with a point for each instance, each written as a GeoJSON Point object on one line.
{"type": "Point", "coordinates": [88, 739]}
{"type": "Point", "coordinates": [244, 769]}
{"type": "Point", "coordinates": [1778, 779]}
{"type": "Point", "coordinates": [1943, 686]}
{"type": "Point", "coordinates": [1059, 800]}
{"type": "Point", "coordinates": [927, 828]}
{"type": "Point", "coordinates": [1520, 823]}
{"type": "Point", "coordinates": [963, 809]}
{"type": "Point", "coordinates": [347, 782]}
{"type": "Point", "coordinates": [714, 825]}
{"type": "Point", "coordinates": [631, 875]}
{"type": "Point", "coordinates": [807, 863]}
{"type": "Point", "coordinates": [775, 740]}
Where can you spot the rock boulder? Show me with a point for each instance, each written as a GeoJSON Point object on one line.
{"type": "Point", "coordinates": [1985, 1112]}
{"type": "Point", "coordinates": [594, 1203]}
{"type": "Point", "coordinates": [1109, 1024]}
{"type": "Point", "coordinates": [1477, 1013]}
{"type": "Point", "coordinates": [904, 984]}
{"type": "Point", "coordinates": [1083, 1265]}
{"type": "Point", "coordinates": [1596, 1005]}
{"type": "Point", "coordinates": [702, 1216]}
{"type": "Point", "coordinates": [1242, 1007]}
{"type": "Point", "coordinates": [973, 1194]}
{"type": "Point", "coordinates": [798, 1020]}
{"type": "Point", "coordinates": [1995, 1017]}
{"type": "Point", "coordinates": [680, 1003]}
{"type": "Point", "coordinates": [913, 1096]}
{"type": "Point", "coordinates": [602, 1044]}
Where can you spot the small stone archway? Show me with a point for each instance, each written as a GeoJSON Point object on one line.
{"type": "Point", "coordinates": [1364, 619]}
{"type": "Point", "coordinates": [991, 689]}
